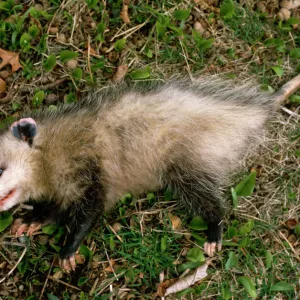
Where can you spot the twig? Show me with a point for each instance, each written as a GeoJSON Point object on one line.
{"type": "Point", "coordinates": [15, 266]}
{"type": "Point", "coordinates": [292, 248]}
{"type": "Point", "coordinates": [115, 233]}
{"type": "Point", "coordinates": [111, 266]}
{"type": "Point", "coordinates": [46, 281]}
{"type": "Point", "coordinates": [64, 283]}
{"type": "Point", "coordinates": [91, 292]}
{"type": "Point", "coordinates": [89, 57]}
{"type": "Point", "coordinates": [286, 90]}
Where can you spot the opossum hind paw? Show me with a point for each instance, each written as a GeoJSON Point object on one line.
{"type": "Point", "coordinates": [211, 248]}
{"type": "Point", "coordinates": [68, 264]}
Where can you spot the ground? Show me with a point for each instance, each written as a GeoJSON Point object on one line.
{"type": "Point", "coordinates": [67, 47]}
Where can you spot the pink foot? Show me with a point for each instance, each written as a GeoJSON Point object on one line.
{"type": "Point", "coordinates": [68, 264]}
{"type": "Point", "coordinates": [18, 227]}
{"type": "Point", "coordinates": [210, 248]}
{"type": "Point", "coordinates": [33, 228]}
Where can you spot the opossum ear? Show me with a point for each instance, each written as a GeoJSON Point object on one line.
{"type": "Point", "coordinates": [24, 129]}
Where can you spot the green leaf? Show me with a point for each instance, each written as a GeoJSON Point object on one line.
{"type": "Point", "coordinates": [148, 52]}
{"type": "Point", "coordinates": [112, 244]}
{"type": "Point", "coordinates": [151, 197]}
{"type": "Point", "coordinates": [190, 265]}
{"type": "Point", "coordinates": [281, 286]}
{"type": "Point", "coordinates": [168, 194]}
{"type": "Point", "coordinates": [200, 240]}
{"type": "Point", "coordinates": [25, 41]}
{"type": "Point", "coordinates": [198, 224]}
{"type": "Point", "coordinates": [7, 121]}
{"type": "Point", "coordinates": [269, 259]}
{"type": "Point", "coordinates": [205, 44]}
{"type": "Point", "coordinates": [227, 10]}
{"type": "Point", "coordinates": [49, 229]}
{"type": "Point", "coordinates": [97, 66]}
{"type": "Point", "coordinates": [297, 229]}
{"type": "Point", "coordinates": [91, 3]}
{"type": "Point", "coordinates": [226, 294]}
{"type": "Point", "coordinates": [77, 74]}
{"type": "Point", "coordinates": [234, 198]}
{"type": "Point", "coordinates": [101, 28]}
{"type": "Point", "coordinates": [85, 251]}
{"type": "Point", "coordinates": [38, 98]}
{"type": "Point", "coordinates": [122, 211]}
{"type": "Point", "coordinates": [5, 220]}
{"type": "Point", "coordinates": [246, 228]}
{"type": "Point", "coordinates": [185, 292]}
{"type": "Point", "coordinates": [232, 261]}
{"type": "Point", "coordinates": [292, 21]}
{"type": "Point", "coordinates": [22, 267]}
{"type": "Point", "coordinates": [160, 30]}
{"type": "Point", "coordinates": [248, 285]}
{"type": "Point", "coordinates": [278, 70]}
{"type": "Point", "coordinates": [181, 14]}
{"type": "Point", "coordinates": [50, 63]}
{"type": "Point", "coordinates": [246, 186]}
{"type": "Point", "coordinates": [163, 243]}
{"type": "Point", "coordinates": [34, 31]}
{"type": "Point", "coordinates": [295, 98]}
{"type": "Point", "coordinates": [195, 255]}
{"type": "Point", "coordinates": [82, 281]}
{"type": "Point", "coordinates": [231, 232]}
{"type": "Point", "coordinates": [140, 74]}
{"type": "Point", "coordinates": [51, 297]}
{"type": "Point", "coordinates": [67, 55]}
{"type": "Point", "coordinates": [120, 44]}
{"type": "Point", "coordinates": [295, 53]}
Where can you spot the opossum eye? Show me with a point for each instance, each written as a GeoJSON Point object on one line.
{"type": "Point", "coordinates": [24, 129]}
{"type": "Point", "coordinates": [1, 171]}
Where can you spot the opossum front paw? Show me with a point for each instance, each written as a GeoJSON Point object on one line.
{"type": "Point", "coordinates": [68, 264]}
{"type": "Point", "coordinates": [19, 227]}
{"type": "Point", "coordinates": [214, 238]}
{"type": "Point", "coordinates": [33, 227]}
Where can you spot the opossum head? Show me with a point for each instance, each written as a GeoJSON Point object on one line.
{"type": "Point", "coordinates": [16, 163]}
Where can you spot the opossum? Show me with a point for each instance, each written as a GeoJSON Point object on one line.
{"type": "Point", "coordinates": [76, 162]}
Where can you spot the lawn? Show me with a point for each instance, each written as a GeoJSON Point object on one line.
{"type": "Point", "coordinates": [55, 51]}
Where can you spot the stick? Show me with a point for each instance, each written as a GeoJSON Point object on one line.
{"type": "Point", "coordinates": [15, 266]}
{"type": "Point", "coordinates": [286, 90]}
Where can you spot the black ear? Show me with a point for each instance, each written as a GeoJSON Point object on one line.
{"type": "Point", "coordinates": [24, 129]}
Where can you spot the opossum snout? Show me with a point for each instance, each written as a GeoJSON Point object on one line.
{"type": "Point", "coordinates": [9, 195]}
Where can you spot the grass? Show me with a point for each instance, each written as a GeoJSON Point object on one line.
{"type": "Point", "coordinates": [139, 241]}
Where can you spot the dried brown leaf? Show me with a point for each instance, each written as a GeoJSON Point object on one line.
{"type": "Point", "coordinates": [80, 259]}
{"type": "Point", "coordinates": [176, 221]}
{"type": "Point", "coordinates": [187, 281]}
{"type": "Point", "coordinates": [110, 267]}
{"type": "Point", "coordinates": [10, 58]}
{"type": "Point", "coordinates": [162, 287]}
{"type": "Point", "coordinates": [2, 86]}
{"type": "Point", "coordinates": [124, 13]}
{"type": "Point", "coordinates": [291, 223]}
{"type": "Point", "coordinates": [120, 74]}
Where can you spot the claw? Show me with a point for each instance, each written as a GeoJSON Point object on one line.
{"type": "Point", "coordinates": [210, 248]}
{"type": "Point", "coordinates": [22, 228]}
{"type": "Point", "coordinates": [17, 223]}
{"type": "Point", "coordinates": [19, 227]}
{"type": "Point", "coordinates": [33, 228]}
{"type": "Point", "coordinates": [68, 264]}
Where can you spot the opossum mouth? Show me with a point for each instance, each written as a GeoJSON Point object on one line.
{"type": "Point", "coordinates": [8, 196]}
